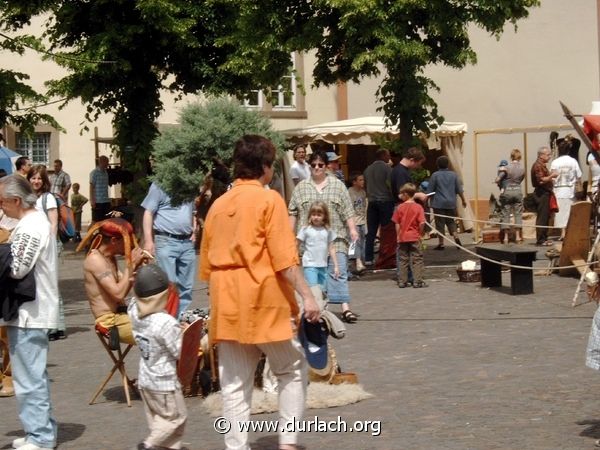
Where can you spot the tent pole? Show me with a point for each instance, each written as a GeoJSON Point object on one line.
{"type": "Point", "coordinates": [525, 164]}
{"type": "Point", "coordinates": [475, 171]}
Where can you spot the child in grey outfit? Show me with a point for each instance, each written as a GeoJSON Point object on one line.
{"type": "Point", "coordinates": [158, 336]}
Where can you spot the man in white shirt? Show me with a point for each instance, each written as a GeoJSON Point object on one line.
{"type": "Point", "coordinates": [564, 184]}
{"type": "Point", "coordinates": [300, 169]}
{"type": "Point", "coordinates": [33, 249]}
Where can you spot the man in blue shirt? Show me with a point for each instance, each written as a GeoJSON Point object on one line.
{"type": "Point", "coordinates": [168, 234]}
{"type": "Point", "coordinates": [447, 186]}
{"type": "Point", "coordinates": [99, 199]}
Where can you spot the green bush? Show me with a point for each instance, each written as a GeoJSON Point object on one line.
{"type": "Point", "coordinates": [183, 154]}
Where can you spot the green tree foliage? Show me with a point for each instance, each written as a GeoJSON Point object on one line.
{"type": "Point", "coordinates": [121, 53]}
{"type": "Point", "coordinates": [360, 38]}
{"type": "Point", "coordinates": [183, 154]}
{"type": "Point", "coordinates": [18, 100]}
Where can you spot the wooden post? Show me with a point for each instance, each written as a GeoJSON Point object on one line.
{"type": "Point", "coordinates": [525, 165]}
{"type": "Point", "coordinates": [476, 173]}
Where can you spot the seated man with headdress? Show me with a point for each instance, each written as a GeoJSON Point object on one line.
{"type": "Point", "coordinates": [105, 286]}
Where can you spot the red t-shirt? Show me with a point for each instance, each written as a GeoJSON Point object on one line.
{"type": "Point", "coordinates": [410, 216]}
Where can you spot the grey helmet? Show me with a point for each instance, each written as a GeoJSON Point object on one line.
{"type": "Point", "coordinates": [150, 280]}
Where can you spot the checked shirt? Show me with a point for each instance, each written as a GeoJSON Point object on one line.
{"type": "Point", "coordinates": [335, 196]}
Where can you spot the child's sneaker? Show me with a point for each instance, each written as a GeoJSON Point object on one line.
{"type": "Point", "coordinates": [420, 284]}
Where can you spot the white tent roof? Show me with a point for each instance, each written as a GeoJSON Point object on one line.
{"type": "Point", "coordinates": [360, 130]}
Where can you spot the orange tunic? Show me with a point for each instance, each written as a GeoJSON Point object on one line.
{"type": "Point", "coordinates": [247, 242]}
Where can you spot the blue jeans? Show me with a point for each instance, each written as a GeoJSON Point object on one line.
{"type": "Point", "coordinates": [337, 289]}
{"type": "Point", "coordinates": [28, 348]}
{"type": "Point", "coordinates": [378, 214]}
{"type": "Point", "coordinates": [178, 259]}
{"type": "Point", "coordinates": [316, 276]}
{"type": "Point", "coordinates": [359, 252]}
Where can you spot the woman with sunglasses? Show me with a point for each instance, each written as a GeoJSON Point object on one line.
{"type": "Point", "coordinates": [324, 186]}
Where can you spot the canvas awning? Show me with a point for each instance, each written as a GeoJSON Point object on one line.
{"type": "Point", "coordinates": [7, 159]}
{"type": "Point", "coordinates": [360, 131]}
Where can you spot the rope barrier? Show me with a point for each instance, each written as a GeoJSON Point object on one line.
{"type": "Point", "coordinates": [494, 222]}
{"type": "Point", "coordinates": [511, 266]}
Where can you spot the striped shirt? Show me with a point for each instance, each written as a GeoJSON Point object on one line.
{"type": "Point", "coordinates": [335, 196]}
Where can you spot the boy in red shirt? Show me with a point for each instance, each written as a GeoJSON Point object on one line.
{"type": "Point", "coordinates": [409, 218]}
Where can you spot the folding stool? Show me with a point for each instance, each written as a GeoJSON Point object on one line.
{"type": "Point", "coordinates": [118, 359]}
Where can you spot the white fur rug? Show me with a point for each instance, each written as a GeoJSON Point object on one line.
{"type": "Point", "coordinates": [320, 395]}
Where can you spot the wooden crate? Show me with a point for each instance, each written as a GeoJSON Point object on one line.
{"type": "Point", "coordinates": [490, 235]}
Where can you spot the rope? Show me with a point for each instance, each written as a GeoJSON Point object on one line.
{"type": "Point", "coordinates": [493, 222]}
{"type": "Point", "coordinates": [466, 250]}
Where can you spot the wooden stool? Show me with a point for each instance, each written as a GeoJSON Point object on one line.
{"type": "Point", "coordinates": [118, 359]}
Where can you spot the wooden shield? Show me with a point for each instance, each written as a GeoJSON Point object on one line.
{"type": "Point", "coordinates": [190, 349]}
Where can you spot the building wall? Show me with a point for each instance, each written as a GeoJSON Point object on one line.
{"type": "Point", "coordinates": [517, 82]}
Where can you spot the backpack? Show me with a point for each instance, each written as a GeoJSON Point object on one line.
{"type": "Point", "coordinates": [66, 218]}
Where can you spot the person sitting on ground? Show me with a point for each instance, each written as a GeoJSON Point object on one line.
{"type": "Point", "coordinates": [447, 186]}
{"type": "Point", "coordinates": [159, 336]}
{"type": "Point", "coordinates": [105, 286]}
{"type": "Point", "coordinates": [409, 218]}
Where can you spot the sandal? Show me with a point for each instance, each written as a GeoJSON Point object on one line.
{"type": "Point", "coordinates": [349, 317]}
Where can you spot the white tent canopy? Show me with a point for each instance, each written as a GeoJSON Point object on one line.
{"type": "Point", "coordinates": [359, 131]}
{"type": "Point", "coordinates": [448, 137]}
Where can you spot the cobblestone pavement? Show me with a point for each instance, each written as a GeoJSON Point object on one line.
{"type": "Point", "coordinates": [451, 366]}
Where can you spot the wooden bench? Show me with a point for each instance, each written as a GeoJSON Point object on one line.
{"type": "Point", "coordinates": [521, 280]}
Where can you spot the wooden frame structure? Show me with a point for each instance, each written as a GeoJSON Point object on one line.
{"type": "Point", "coordinates": [525, 131]}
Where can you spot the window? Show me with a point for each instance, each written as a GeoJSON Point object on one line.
{"type": "Point", "coordinates": [284, 96]}
{"type": "Point", "coordinates": [36, 148]}
{"type": "Point", "coordinates": [254, 99]}
{"type": "Point", "coordinates": [284, 100]}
